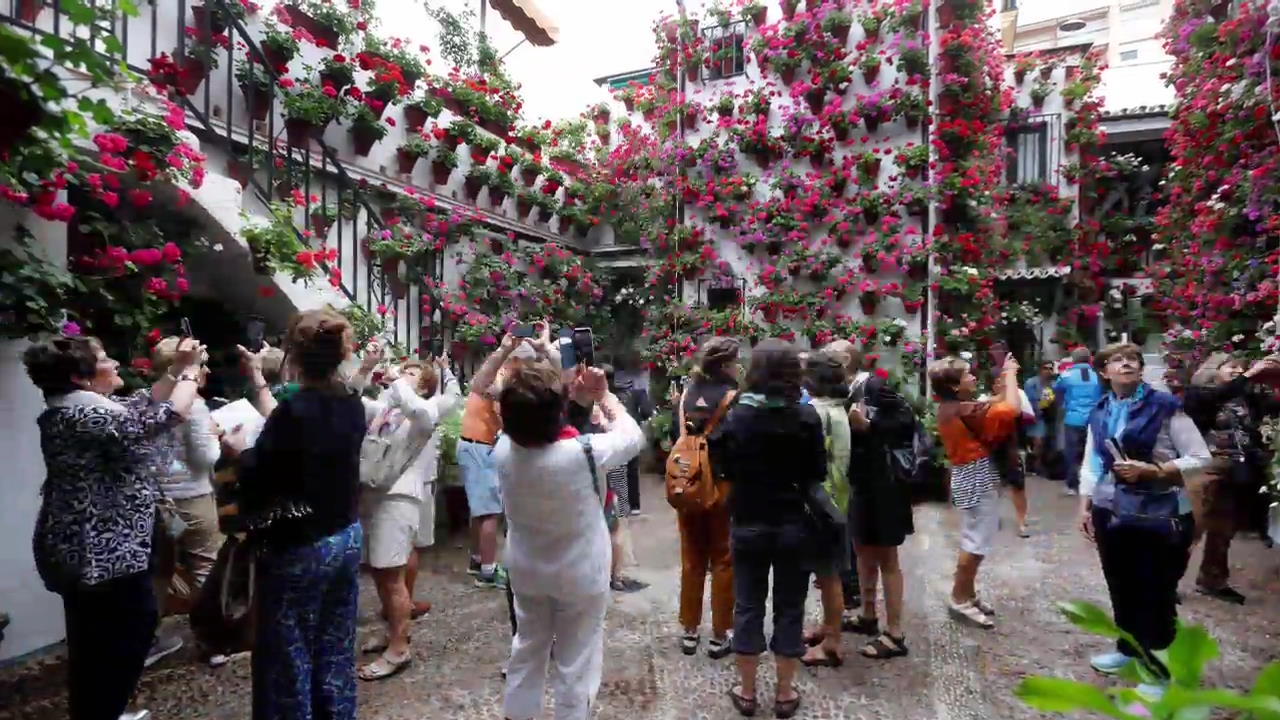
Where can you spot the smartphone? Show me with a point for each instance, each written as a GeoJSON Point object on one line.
{"type": "Point", "coordinates": [437, 348]}
{"type": "Point", "coordinates": [255, 332]}
{"type": "Point", "coordinates": [522, 331]}
{"type": "Point", "coordinates": [998, 353]}
{"type": "Point", "coordinates": [584, 346]}
{"type": "Point", "coordinates": [568, 358]}
{"type": "Point", "coordinates": [1113, 447]}
{"type": "Point", "coordinates": [184, 327]}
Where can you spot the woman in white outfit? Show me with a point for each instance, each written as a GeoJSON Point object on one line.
{"type": "Point", "coordinates": [407, 413]}
{"type": "Point", "coordinates": [558, 552]}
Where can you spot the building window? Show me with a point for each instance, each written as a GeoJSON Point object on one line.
{"type": "Point", "coordinates": [1028, 154]}
{"type": "Point", "coordinates": [1009, 5]}
{"type": "Point", "coordinates": [726, 50]}
{"type": "Point", "coordinates": [1128, 56]}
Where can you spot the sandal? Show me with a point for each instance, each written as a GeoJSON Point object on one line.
{"type": "Point", "coordinates": [786, 708]}
{"type": "Point", "coordinates": [984, 606]}
{"type": "Point", "coordinates": [420, 608]}
{"type": "Point", "coordinates": [824, 658]}
{"type": "Point", "coordinates": [971, 613]}
{"type": "Point", "coordinates": [384, 667]}
{"type": "Point", "coordinates": [886, 646]}
{"type": "Point", "coordinates": [860, 624]}
{"type": "Point", "coordinates": [745, 706]}
{"type": "Point", "coordinates": [813, 638]}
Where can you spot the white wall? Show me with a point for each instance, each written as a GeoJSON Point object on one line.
{"type": "Point", "coordinates": [36, 613]}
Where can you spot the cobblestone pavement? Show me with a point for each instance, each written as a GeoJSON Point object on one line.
{"type": "Point", "coordinates": [953, 672]}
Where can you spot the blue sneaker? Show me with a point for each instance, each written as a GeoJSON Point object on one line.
{"type": "Point", "coordinates": [1110, 663]}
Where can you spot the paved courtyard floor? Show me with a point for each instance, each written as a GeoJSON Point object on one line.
{"type": "Point", "coordinates": [953, 672]}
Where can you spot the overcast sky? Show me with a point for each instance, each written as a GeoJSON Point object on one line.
{"type": "Point", "coordinates": [597, 37]}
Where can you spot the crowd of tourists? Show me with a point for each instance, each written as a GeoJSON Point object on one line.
{"type": "Point", "coordinates": [793, 473]}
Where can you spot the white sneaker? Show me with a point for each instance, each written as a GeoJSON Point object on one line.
{"type": "Point", "coordinates": [162, 647]}
{"type": "Point", "coordinates": [1069, 492]}
{"type": "Point", "coordinates": [140, 715]}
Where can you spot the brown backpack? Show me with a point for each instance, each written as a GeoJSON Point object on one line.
{"type": "Point", "coordinates": [691, 486]}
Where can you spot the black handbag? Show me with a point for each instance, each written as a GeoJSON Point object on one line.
{"type": "Point", "coordinates": [823, 519]}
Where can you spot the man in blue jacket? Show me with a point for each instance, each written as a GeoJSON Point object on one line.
{"type": "Point", "coordinates": [1079, 390]}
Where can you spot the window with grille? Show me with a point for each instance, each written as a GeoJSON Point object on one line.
{"type": "Point", "coordinates": [1009, 5]}
{"type": "Point", "coordinates": [726, 50]}
{"type": "Point", "coordinates": [1028, 154]}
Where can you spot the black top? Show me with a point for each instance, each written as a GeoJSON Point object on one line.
{"type": "Point", "coordinates": [301, 480]}
{"type": "Point", "coordinates": [772, 456]}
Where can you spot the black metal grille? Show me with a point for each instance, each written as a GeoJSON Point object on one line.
{"type": "Point", "coordinates": [729, 43]}
{"type": "Point", "coordinates": [1034, 144]}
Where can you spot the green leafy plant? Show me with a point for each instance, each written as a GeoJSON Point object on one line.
{"type": "Point", "coordinates": [312, 104]}
{"type": "Point", "coordinates": [276, 247]}
{"type": "Point", "coordinates": [342, 73]}
{"type": "Point", "coordinates": [428, 103]}
{"type": "Point", "coordinates": [415, 146]}
{"type": "Point", "coordinates": [250, 75]}
{"type": "Point", "coordinates": [1040, 92]}
{"type": "Point", "coordinates": [368, 122]}
{"type": "Point", "coordinates": [279, 41]}
{"type": "Point", "coordinates": [1192, 649]}
{"type": "Point", "coordinates": [33, 291]}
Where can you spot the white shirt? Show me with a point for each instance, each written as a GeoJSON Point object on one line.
{"type": "Point", "coordinates": [421, 417]}
{"type": "Point", "coordinates": [557, 543]}
{"type": "Point", "coordinates": [191, 450]}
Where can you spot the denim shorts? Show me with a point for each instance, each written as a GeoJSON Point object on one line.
{"type": "Point", "coordinates": [479, 478]}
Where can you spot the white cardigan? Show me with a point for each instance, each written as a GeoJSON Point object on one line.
{"type": "Point", "coordinates": [190, 452]}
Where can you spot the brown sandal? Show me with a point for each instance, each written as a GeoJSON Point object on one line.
{"type": "Point", "coordinates": [745, 706]}
{"type": "Point", "coordinates": [826, 658]}
{"type": "Point", "coordinates": [787, 708]}
{"type": "Point", "coordinates": [886, 646]}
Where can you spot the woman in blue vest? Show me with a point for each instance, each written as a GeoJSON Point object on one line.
{"type": "Point", "coordinates": [1139, 452]}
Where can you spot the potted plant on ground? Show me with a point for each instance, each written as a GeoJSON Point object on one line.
{"type": "Point", "coordinates": [366, 129]}
{"type": "Point", "coordinates": [308, 110]}
{"type": "Point", "coordinates": [443, 163]}
{"type": "Point", "coordinates": [409, 152]}
{"type": "Point", "coordinates": [255, 83]}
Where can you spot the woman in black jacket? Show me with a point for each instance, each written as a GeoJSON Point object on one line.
{"type": "Point", "coordinates": [772, 451]}
{"type": "Point", "coordinates": [300, 485]}
{"type": "Point", "coordinates": [1228, 407]}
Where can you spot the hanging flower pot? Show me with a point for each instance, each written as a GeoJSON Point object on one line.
{"type": "Point", "coordinates": [529, 175]}
{"type": "Point", "coordinates": [239, 171]}
{"type": "Point", "coordinates": [299, 131]}
{"type": "Point", "coordinates": [366, 243]}
{"type": "Point", "coordinates": [868, 302]}
{"type": "Point", "coordinates": [918, 270]}
{"type": "Point", "coordinates": [691, 73]}
{"type": "Point", "coordinates": [390, 267]}
{"type": "Point", "coordinates": [277, 57]}
{"type": "Point", "coordinates": [869, 74]}
{"type": "Point", "coordinates": [1019, 75]}
{"type": "Point", "coordinates": [257, 101]}
{"type": "Point", "coordinates": [524, 206]}
{"type": "Point", "coordinates": [320, 223]}
{"type": "Point", "coordinates": [191, 74]}
{"type": "Point", "coordinates": [544, 214]}
{"type": "Point", "coordinates": [629, 103]}
{"type": "Point", "coordinates": [29, 10]}
{"type": "Point", "coordinates": [946, 15]}
{"type": "Point", "coordinates": [324, 35]}
{"type": "Point", "coordinates": [672, 126]}
{"type": "Point", "coordinates": [788, 76]}
{"type": "Point", "coordinates": [872, 123]}
{"type": "Point", "coordinates": [789, 8]}
{"type": "Point", "coordinates": [497, 196]}
{"type": "Point", "coordinates": [399, 288]}
{"type": "Point", "coordinates": [440, 173]}
{"type": "Point", "coordinates": [691, 119]}
{"type": "Point", "coordinates": [773, 247]}
{"type": "Point", "coordinates": [208, 22]}
{"type": "Point", "coordinates": [472, 187]}
{"type": "Point", "coordinates": [759, 17]}
{"type": "Point", "coordinates": [913, 122]}
{"type": "Point", "coordinates": [1046, 72]}
{"type": "Point", "coordinates": [811, 5]}
{"type": "Point", "coordinates": [23, 113]}
{"type": "Point", "coordinates": [815, 98]}
{"type": "Point", "coordinates": [912, 306]}
{"type": "Point", "coordinates": [917, 207]}
{"type": "Point", "coordinates": [818, 158]}
{"type": "Point", "coordinates": [363, 139]}
{"type": "Point", "coordinates": [870, 262]}
{"type": "Point", "coordinates": [284, 188]}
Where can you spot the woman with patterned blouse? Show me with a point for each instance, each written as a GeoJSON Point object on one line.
{"type": "Point", "coordinates": [93, 534]}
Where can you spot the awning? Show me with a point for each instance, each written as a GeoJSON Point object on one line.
{"type": "Point", "coordinates": [525, 16]}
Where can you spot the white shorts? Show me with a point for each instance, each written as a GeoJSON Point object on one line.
{"type": "Point", "coordinates": [390, 529]}
{"type": "Point", "coordinates": [980, 523]}
{"type": "Point", "coordinates": [426, 535]}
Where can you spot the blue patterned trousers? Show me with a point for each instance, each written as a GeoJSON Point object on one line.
{"type": "Point", "coordinates": [304, 659]}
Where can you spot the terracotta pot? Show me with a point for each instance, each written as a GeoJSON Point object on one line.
{"type": "Point", "coordinates": [29, 10]}
{"type": "Point", "coordinates": [479, 157]}
{"type": "Point", "coordinates": [918, 271]}
{"type": "Point", "coordinates": [320, 224]}
{"type": "Point", "coordinates": [276, 57]}
{"type": "Point", "coordinates": [841, 34]}
{"type": "Point", "coordinates": [414, 119]}
{"type": "Point", "coordinates": [451, 141]}
{"type": "Point", "coordinates": [691, 73]}
{"type": "Point", "coordinates": [523, 207]}
{"type": "Point", "coordinates": [629, 104]}
{"type": "Point", "coordinates": [239, 171]}
{"type": "Point", "coordinates": [328, 79]}
{"type": "Point", "coordinates": [870, 75]}
{"type": "Point", "coordinates": [497, 196]}
{"type": "Point", "coordinates": [815, 98]}
{"type": "Point", "coordinates": [207, 22]}
{"type": "Point", "coordinates": [191, 75]}
{"type": "Point", "coordinates": [1019, 76]}
{"type": "Point", "coordinates": [472, 187]}
{"type": "Point", "coordinates": [284, 189]}
{"type": "Point", "coordinates": [299, 132]}
{"type": "Point", "coordinates": [788, 76]}
{"type": "Point", "coordinates": [946, 15]}
{"type": "Point", "coordinates": [913, 122]}
{"type": "Point", "coordinates": [23, 113]}
{"type": "Point", "coordinates": [759, 17]}
{"type": "Point", "coordinates": [440, 173]}
{"type": "Point", "coordinates": [362, 140]}
{"type": "Point", "coordinates": [868, 305]}
{"type": "Point", "coordinates": [405, 161]}
{"type": "Point", "coordinates": [257, 102]}
{"type": "Point", "coordinates": [811, 5]}
{"type": "Point", "coordinates": [818, 159]}
{"type": "Point", "coordinates": [324, 35]}
{"type": "Point", "coordinates": [789, 8]}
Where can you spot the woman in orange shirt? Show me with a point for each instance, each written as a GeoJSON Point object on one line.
{"type": "Point", "coordinates": [969, 430]}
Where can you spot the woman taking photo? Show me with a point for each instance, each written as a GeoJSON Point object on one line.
{"type": "Point", "coordinates": [772, 451]}
{"type": "Point", "coordinates": [94, 531]}
{"type": "Point", "coordinates": [1140, 449]}
{"type": "Point", "coordinates": [880, 513]}
{"type": "Point", "coordinates": [1229, 407]}
{"type": "Point", "coordinates": [299, 485]}
{"type": "Point", "coordinates": [970, 430]}
{"type": "Point", "coordinates": [704, 535]}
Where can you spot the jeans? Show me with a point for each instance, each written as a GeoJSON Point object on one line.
{"type": "Point", "coordinates": [757, 549]}
{"type": "Point", "coordinates": [109, 631]}
{"type": "Point", "coordinates": [704, 546]}
{"type": "Point", "coordinates": [304, 659]}
{"type": "Point", "coordinates": [1074, 439]}
{"type": "Point", "coordinates": [1142, 571]}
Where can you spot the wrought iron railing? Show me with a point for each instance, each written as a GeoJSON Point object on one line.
{"type": "Point", "coordinates": [316, 173]}
{"type": "Point", "coordinates": [1034, 144]}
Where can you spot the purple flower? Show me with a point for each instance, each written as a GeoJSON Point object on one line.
{"type": "Point", "coordinates": [70, 329]}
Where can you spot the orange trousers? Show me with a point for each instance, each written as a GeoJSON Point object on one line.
{"type": "Point", "coordinates": [704, 546]}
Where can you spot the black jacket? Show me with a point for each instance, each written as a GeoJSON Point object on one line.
{"type": "Point", "coordinates": [772, 456]}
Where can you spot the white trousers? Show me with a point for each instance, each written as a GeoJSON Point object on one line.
{"type": "Point", "coordinates": [576, 628]}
